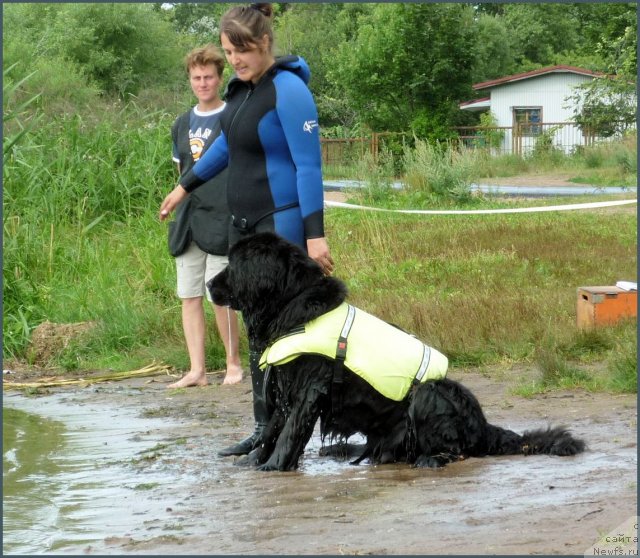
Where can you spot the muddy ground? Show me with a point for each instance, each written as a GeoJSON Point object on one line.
{"type": "Point", "coordinates": [497, 505]}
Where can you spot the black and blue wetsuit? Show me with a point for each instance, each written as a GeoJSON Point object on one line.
{"type": "Point", "coordinates": [271, 145]}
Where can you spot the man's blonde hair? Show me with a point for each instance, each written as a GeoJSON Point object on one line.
{"type": "Point", "coordinates": [204, 56]}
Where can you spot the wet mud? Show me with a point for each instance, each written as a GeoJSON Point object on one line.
{"type": "Point", "coordinates": [138, 474]}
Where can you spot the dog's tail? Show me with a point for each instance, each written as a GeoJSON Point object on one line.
{"type": "Point", "coordinates": [552, 441]}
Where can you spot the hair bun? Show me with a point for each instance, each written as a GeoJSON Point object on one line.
{"type": "Point", "coordinates": [266, 9]}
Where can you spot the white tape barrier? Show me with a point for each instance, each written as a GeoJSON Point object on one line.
{"type": "Point", "coordinates": [593, 205]}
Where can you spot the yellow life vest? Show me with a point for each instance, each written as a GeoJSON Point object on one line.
{"type": "Point", "coordinates": [383, 355]}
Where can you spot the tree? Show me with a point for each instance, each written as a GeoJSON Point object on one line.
{"type": "Point", "coordinates": [122, 47]}
{"type": "Point", "coordinates": [406, 63]}
{"type": "Point", "coordinates": [198, 21]}
{"type": "Point", "coordinates": [59, 83]}
{"type": "Point", "coordinates": [494, 55]}
{"type": "Point", "coordinates": [313, 31]}
{"type": "Point", "coordinates": [610, 29]}
{"type": "Point", "coordinates": [540, 31]}
{"type": "Point", "coordinates": [605, 106]}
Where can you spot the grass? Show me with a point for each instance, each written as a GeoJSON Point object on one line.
{"type": "Point", "coordinates": [577, 363]}
{"type": "Point", "coordinates": [82, 242]}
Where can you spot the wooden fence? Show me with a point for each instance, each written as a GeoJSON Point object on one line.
{"type": "Point", "coordinates": [348, 151]}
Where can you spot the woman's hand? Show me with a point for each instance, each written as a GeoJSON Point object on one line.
{"type": "Point", "coordinates": [318, 250]}
{"type": "Point", "coordinates": [171, 201]}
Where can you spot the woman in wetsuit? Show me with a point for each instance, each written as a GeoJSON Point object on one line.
{"type": "Point", "coordinates": [270, 145]}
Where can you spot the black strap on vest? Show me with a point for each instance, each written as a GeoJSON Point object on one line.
{"type": "Point", "coordinates": [183, 136]}
{"type": "Point", "coordinates": [338, 366]}
{"type": "Point", "coordinates": [243, 224]}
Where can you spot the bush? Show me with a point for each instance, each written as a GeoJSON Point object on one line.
{"type": "Point", "coordinates": [441, 170]}
{"type": "Point", "coordinates": [80, 48]}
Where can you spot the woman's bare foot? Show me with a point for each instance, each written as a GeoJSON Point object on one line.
{"type": "Point", "coordinates": [234, 374]}
{"type": "Point", "coordinates": [190, 379]}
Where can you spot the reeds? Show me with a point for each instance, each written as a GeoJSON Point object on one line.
{"type": "Point", "coordinates": [152, 369]}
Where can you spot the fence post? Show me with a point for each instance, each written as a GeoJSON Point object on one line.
{"type": "Point", "coordinates": [516, 140]}
{"type": "Point", "coordinates": [374, 147]}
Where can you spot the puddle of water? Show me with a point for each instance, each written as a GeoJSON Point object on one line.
{"type": "Point", "coordinates": [70, 478]}
{"type": "Point", "coordinates": [28, 441]}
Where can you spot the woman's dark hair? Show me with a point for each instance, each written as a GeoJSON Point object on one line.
{"type": "Point", "coordinates": [247, 25]}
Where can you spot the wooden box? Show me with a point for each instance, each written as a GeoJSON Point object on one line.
{"type": "Point", "coordinates": [598, 306]}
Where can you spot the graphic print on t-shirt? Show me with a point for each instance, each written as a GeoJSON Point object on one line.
{"type": "Point", "coordinates": [197, 140]}
{"type": "Point", "coordinates": [201, 126]}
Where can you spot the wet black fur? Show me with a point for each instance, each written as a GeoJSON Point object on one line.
{"type": "Point", "coordinates": [277, 286]}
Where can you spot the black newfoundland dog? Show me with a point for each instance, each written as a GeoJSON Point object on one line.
{"type": "Point", "coordinates": [425, 422]}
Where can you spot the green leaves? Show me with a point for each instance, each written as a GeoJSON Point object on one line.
{"type": "Point", "coordinates": [9, 90]}
{"type": "Point", "coordinates": [605, 106]}
{"type": "Point", "coordinates": [404, 58]}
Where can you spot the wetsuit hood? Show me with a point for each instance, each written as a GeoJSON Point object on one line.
{"type": "Point", "coordinates": [291, 63]}
{"type": "Point", "coordinates": [295, 64]}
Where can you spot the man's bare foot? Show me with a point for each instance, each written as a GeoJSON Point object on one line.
{"type": "Point", "coordinates": [189, 380]}
{"type": "Point", "coordinates": [234, 375]}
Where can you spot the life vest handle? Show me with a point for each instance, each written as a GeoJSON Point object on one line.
{"type": "Point", "coordinates": [338, 365]}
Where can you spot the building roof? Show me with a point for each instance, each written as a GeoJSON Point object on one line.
{"type": "Point", "coordinates": [536, 73]}
{"type": "Point", "coordinates": [476, 104]}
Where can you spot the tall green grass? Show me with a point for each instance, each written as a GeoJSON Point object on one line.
{"type": "Point", "coordinates": [440, 170]}
{"type": "Point", "coordinates": [76, 192]}
{"type": "Point", "coordinates": [569, 362]}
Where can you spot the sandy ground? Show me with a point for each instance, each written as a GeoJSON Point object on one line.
{"type": "Point", "coordinates": [495, 505]}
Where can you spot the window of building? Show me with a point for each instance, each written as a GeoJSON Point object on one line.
{"type": "Point", "coordinates": [527, 118]}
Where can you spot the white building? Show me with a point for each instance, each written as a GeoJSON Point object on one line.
{"type": "Point", "coordinates": [522, 101]}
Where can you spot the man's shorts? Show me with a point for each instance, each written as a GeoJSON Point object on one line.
{"type": "Point", "coordinates": [194, 268]}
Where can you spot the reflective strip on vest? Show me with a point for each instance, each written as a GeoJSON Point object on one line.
{"type": "Point", "coordinates": [383, 355]}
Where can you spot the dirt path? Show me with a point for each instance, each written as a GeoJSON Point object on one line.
{"type": "Point", "coordinates": [505, 505]}
{"type": "Point", "coordinates": [542, 179]}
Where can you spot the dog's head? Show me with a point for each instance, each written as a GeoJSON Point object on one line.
{"type": "Point", "coordinates": [270, 279]}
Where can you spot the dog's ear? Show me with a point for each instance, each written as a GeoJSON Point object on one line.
{"type": "Point", "coordinates": [220, 290]}
{"type": "Point", "coordinates": [265, 266]}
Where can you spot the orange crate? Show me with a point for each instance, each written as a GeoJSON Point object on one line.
{"type": "Point", "coordinates": [598, 306]}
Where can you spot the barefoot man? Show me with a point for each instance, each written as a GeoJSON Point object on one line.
{"type": "Point", "coordinates": [199, 236]}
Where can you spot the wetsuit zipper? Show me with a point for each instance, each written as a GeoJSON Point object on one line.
{"type": "Point", "coordinates": [246, 98]}
{"type": "Point", "coordinates": [233, 120]}
{"type": "Point", "coordinates": [252, 88]}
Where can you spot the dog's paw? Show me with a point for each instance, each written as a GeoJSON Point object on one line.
{"type": "Point", "coordinates": [431, 461]}
{"type": "Point", "coordinates": [253, 458]}
{"type": "Point", "coordinates": [242, 461]}
{"type": "Point", "coordinates": [267, 467]}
